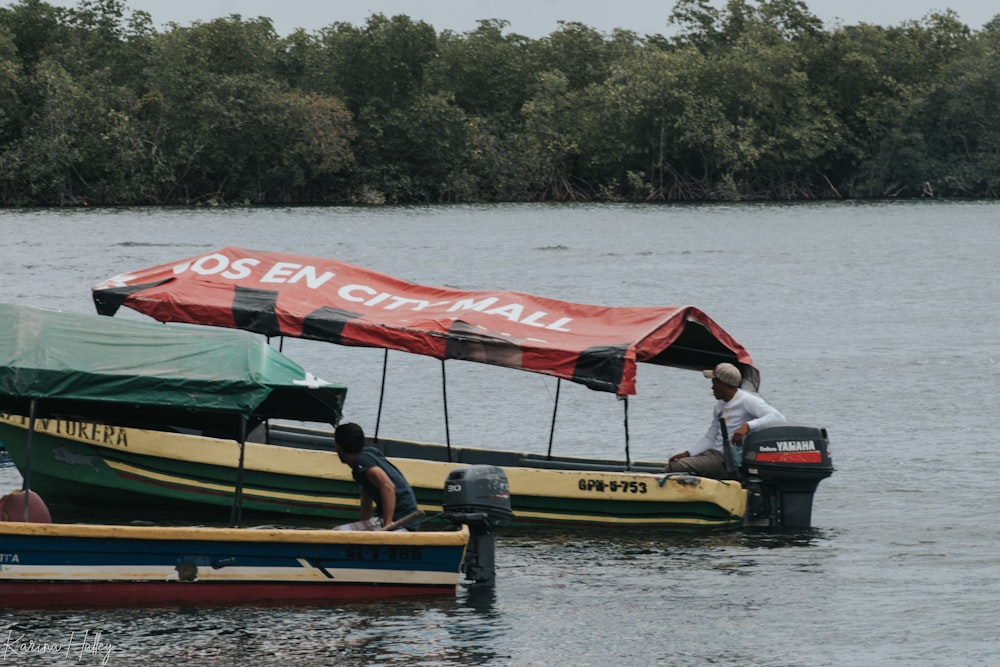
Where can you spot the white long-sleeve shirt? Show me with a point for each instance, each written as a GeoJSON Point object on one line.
{"type": "Point", "coordinates": [742, 408]}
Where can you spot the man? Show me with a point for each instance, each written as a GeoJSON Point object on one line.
{"type": "Point", "coordinates": [743, 412]}
{"type": "Point", "coordinates": [382, 484]}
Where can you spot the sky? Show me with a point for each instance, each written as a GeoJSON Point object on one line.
{"type": "Point", "coordinates": [532, 18]}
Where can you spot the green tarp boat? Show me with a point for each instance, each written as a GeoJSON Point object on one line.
{"type": "Point", "coordinates": [141, 372]}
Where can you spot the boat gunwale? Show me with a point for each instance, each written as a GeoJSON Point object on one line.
{"type": "Point", "coordinates": [457, 537]}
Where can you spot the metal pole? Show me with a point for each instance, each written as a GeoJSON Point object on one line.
{"type": "Point", "coordinates": [628, 456]}
{"type": "Point", "coordinates": [381, 393]}
{"type": "Point", "coordinates": [555, 409]}
{"type": "Point", "coordinates": [444, 396]}
{"type": "Point", "coordinates": [26, 482]}
{"type": "Point", "coordinates": [236, 515]}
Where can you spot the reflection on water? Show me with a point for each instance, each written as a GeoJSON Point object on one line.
{"type": "Point", "coordinates": [573, 543]}
{"type": "Point", "coordinates": [448, 632]}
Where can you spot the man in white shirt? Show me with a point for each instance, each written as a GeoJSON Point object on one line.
{"type": "Point", "coordinates": [743, 412]}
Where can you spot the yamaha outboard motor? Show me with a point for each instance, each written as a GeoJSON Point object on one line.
{"type": "Point", "coordinates": [479, 497]}
{"type": "Point", "coordinates": [781, 468]}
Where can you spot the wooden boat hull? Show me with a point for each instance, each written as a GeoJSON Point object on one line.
{"type": "Point", "coordinates": [82, 565]}
{"type": "Point", "coordinates": [300, 476]}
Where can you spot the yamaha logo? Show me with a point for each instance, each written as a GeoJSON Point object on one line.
{"type": "Point", "coordinates": [796, 445]}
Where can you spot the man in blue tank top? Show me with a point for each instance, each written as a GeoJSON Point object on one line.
{"type": "Point", "coordinates": [383, 486]}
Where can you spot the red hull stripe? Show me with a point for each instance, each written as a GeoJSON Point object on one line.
{"type": "Point", "coordinates": [790, 457]}
{"type": "Point", "coordinates": [35, 594]}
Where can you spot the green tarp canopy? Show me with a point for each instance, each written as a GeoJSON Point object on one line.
{"type": "Point", "coordinates": [141, 373]}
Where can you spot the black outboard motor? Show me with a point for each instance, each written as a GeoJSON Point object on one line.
{"type": "Point", "coordinates": [478, 496]}
{"type": "Point", "coordinates": [781, 468]}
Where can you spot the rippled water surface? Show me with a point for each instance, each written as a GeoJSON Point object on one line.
{"type": "Point", "coordinates": [877, 321]}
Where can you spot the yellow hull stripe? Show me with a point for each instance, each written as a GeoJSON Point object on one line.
{"type": "Point", "coordinates": [303, 536]}
{"type": "Point", "coordinates": [222, 488]}
{"type": "Point", "coordinates": [351, 500]}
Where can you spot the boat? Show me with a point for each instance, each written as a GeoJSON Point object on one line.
{"type": "Point", "coordinates": [288, 295]}
{"type": "Point", "coordinates": [102, 378]}
{"type": "Point", "coordinates": [53, 565]}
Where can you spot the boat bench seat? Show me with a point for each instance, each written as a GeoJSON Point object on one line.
{"type": "Point", "coordinates": [411, 450]}
{"type": "Point", "coordinates": [487, 457]}
{"type": "Point", "coordinates": [301, 440]}
{"type": "Point", "coordinates": [531, 462]}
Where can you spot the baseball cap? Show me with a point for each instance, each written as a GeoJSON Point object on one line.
{"type": "Point", "coordinates": [726, 373]}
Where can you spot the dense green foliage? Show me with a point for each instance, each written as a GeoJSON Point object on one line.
{"type": "Point", "coordinates": [754, 100]}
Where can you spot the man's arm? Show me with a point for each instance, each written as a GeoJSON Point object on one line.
{"type": "Point", "coordinates": [386, 490]}
{"type": "Point", "coordinates": [366, 506]}
{"type": "Point", "coordinates": [764, 415]}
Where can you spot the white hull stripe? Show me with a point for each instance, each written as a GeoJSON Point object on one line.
{"type": "Point", "coordinates": [258, 575]}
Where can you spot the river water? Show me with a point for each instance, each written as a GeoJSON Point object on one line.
{"type": "Point", "coordinates": [877, 321]}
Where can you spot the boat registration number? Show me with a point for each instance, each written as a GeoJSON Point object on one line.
{"type": "Point", "coordinates": [373, 553]}
{"type": "Point", "coordinates": [614, 486]}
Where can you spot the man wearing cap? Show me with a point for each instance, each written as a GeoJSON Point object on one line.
{"type": "Point", "coordinates": [743, 412]}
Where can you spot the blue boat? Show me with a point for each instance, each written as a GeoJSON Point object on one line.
{"type": "Point", "coordinates": [46, 565]}
{"type": "Point", "coordinates": [119, 373]}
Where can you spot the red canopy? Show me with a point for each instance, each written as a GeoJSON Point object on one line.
{"type": "Point", "coordinates": [283, 294]}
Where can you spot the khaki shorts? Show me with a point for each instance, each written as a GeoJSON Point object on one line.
{"type": "Point", "coordinates": [707, 464]}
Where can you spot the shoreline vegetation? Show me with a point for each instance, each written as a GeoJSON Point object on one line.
{"type": "Point", "coordinates": [753, 101]}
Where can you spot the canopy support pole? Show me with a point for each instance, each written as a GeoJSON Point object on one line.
{"type": "Point", "coordinates": [381, 392]}
{"type": "Point", "coordinates": [555, 409]}
{"type": "Point", "coordinates": [26, 482]}
{"type": "Point", "coordinates": [628, 456]}
{"type": "Point", "coordinates": [236, 515]}
{"type": "Point", "coordinates": [444, 397]}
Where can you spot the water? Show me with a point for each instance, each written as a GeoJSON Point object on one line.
{"type": "Point", "coordinates": [877, 321]}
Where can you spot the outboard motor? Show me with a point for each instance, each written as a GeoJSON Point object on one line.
{"type": "Point", "coordinates": [478, 496]}
{"type": "Point", "coordinates": [781, 468]}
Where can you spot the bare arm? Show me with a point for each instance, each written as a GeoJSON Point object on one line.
{"type": "Point", "coordinates": [386, 490]}
{"type": "Point", "coordinates": [366, 506]}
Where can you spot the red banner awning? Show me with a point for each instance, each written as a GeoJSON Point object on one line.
{"type": "Point", "coordinates": [283, 294]}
